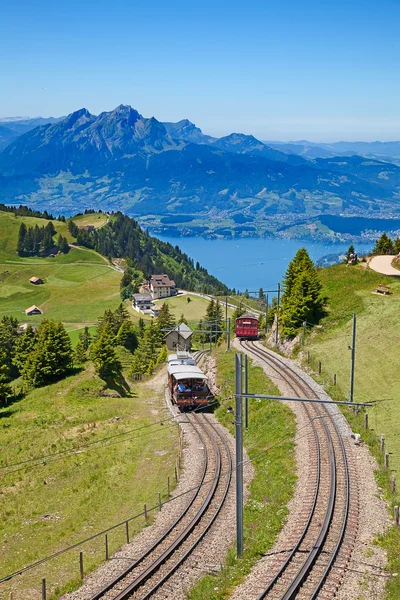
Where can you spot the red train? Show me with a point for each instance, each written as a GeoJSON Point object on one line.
{"type": "Point", "coordinates": [246, 327]}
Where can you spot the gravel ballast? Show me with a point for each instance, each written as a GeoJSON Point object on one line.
{"type": "Point", "coordinates": [365, 576]}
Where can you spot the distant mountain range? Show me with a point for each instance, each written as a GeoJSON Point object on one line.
{"type": "Point", "coordinates": [177, 179]}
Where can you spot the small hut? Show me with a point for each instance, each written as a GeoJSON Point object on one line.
{"type": "Point", "coordinates": [179, 338]}
{"type": "Point", "coordinates": [33, 310]}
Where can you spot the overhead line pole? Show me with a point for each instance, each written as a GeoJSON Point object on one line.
{"type": "Point", "coordinates": [353, 358]}
{"type": "Point", "coordinates": [239, 456]}
{"type": "Point", "coordinates": [239, 395]}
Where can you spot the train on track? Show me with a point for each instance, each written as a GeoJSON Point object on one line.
{"type": "Point", "coordinates": [246, 327]}
{"type": "Point", "coordinates": [187, 384]}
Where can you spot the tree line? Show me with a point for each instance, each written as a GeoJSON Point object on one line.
{"type": "Point", "coordinates": [385, 245]}
{"type": "Point", "coordinates": [122, 237]}
{"type": "Point", "coordinates": [38, 241]}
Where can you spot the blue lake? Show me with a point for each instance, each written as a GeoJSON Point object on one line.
{"type": "Point", "coordinates": [252, 263]}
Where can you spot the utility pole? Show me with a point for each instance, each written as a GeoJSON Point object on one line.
{"type": "Point", "coordinates": [246, 391]}
{"type": "Point", "coordinates": [239, 395]}
{"type": "Point", "coordinates": [239, 457]}
{"type": "Point", "coordinates": [353, 358]}
{"type": "Point", "coordinates": [277, 315]}
{"type": "Point", "coordinates": [266, 316]}
{"type": "Point", "coordinates": [228, 335]}
{"type": "Point", "coordinates": [226, 308]}
{"type": "Point", "coordinates": [304, 332]}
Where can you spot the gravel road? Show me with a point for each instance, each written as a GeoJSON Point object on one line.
{"type": "Point", "coordinates": [383, 264]}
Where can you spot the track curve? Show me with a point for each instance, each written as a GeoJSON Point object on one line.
{"type": "Point", "coordinates": [152, 569]}
{"type": "Point", "coordinates": [305, 570]}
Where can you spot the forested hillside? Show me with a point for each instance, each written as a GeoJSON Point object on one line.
{"type": "Point", "coordinates": [122, 237]}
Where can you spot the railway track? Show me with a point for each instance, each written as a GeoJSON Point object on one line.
{"type": "Point", "coordinates": [322, 541]}
{"type": "Point", "coordinates": [152, 570]}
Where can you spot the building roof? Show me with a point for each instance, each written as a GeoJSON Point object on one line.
{"type": "Point", "coordinates": [142, 297]}
{"type": "Point", "coordinates": [247, 316]}
{"type": "Point", "coordinates": [181, 358]}
{"type": "Point", "coordinates": [186, 372]}
{"type": "Point", "coordinates": [31, 309]}
{"type": "Point", "coordinates": [182, 330]}
{"type": "Point", "coordinates": [35, 279]}
{"type": "Point", "coordinates": [161, 281]}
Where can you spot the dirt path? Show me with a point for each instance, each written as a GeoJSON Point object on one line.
{"type": "Point", "coordinates": [383, 264]}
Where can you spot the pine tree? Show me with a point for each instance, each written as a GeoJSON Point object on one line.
{"type": "Point", "coordinates": [73, 228]}
{"type": "Point", "coordinates": [182, 319]}
{"type": "Point", "coordinates": [8, 343]}
{"type": "Point", "coordinates": [396, 245]}
{"type": "Point", "coordinates": [150, 368]}
{"type": "Point", "coordinates": [162, 356]}
{"type": "Point", "coordinates": [127, 336]}
{"type": "Point", "coordinates": [349, 252]}
{"type": "Point", "coordinates": [384, 245]}
{"type": "Point", "coordinates": [85, 338]}
{"type": "Point", "coordinates": [80, 356]}
{"type": "Point", "coordinates": [301, 300]}
{"type": "Point", "coordinates": [64, 246]}
{"type": "Point", "coordinates": [165, 321]}
{"type": "Point", "coordinates": [21, 239]}
{"type": "Point", "coordinates": [104, 358]}
{"type": "Point", "coordinates": [52, 356]}
{"type": "Point", "coordinates": [24, 347]}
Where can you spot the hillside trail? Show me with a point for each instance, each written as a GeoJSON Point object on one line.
{"type": "Point", "coordinates": [383, 264]}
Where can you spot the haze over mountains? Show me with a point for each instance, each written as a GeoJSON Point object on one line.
{"type": "Point", "coordinates": [173, 175]}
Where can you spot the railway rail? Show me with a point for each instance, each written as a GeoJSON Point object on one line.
{"type": "Point", "coordinates": [152, 570]}
{"type": "Point", "coordinates": [321, 544]}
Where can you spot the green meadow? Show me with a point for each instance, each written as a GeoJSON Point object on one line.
{"type": "Point", "coordinates": [77, 287]}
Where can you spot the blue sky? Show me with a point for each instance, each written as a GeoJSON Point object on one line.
{"type": "Point", "coordinates": [285, 69]}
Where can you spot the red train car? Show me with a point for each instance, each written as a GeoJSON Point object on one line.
{"type": "Point", "coordinates": [247, 327]}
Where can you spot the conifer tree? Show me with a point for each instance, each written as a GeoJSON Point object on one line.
{"type": "Point", "coordinates": [182, 319]}
{"type": "Point", "coordinates": [127, 336]}
{"type": "Point", "coordinates": [85, 338]}
{"type": "Point", "coordinates": [24, 347]}
{"type": "Point", "coordinates": [396, 245]}
{"type": "Point", "coordinates": [301, 300]}
{"type": "Point", "coordinates": [80, 356]}
{"type": "Point", "coordinates": [5, 388]}
{"type": "Point", "coordinates": [384, 245]}
{"type": "Point", "coordinates": [21, 239]}
{"type": "Point", "coordinates": [52, 357]}
{"type": "Point", "coordinates": [162, 356]}
{"type": "Point", "coordinates": [104, 358]}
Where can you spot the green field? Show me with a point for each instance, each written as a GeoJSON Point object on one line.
{"type": "Point", "coordinates": [376, 371]}
{"type": "Point", "coordinates": [192, 311]}
{"type": "Point", "coordinates": [378, 333]}
{"type": "Point", "coordinates": [96, 219]}
{"type": "Point", "coordinates": [78, 286]}
{"type": "Point", "coordinates": [68, 498]}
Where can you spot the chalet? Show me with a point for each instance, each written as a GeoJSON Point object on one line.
{"type": "Point", "coordinates": [36, 280]}
{"type": "Point", "coordinates": [179, 338]}
{"type": "Point", "coordinates": [33, 310]}
{"type": "Point", "coordinates": [142, 302]}
{"type": "Point", "coordinates": [87, 227]}
{"type": "Point", "coordinates": [155, 310]}
{"type": "Point", "coordinates": [161, 286]}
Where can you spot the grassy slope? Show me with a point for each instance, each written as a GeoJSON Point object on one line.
{"type": "Point", "coordinates": [193, 310]}
{"type": "Point", "coordinates": [273, 484]}
{"type": "Point", "coordinates": [47, 508]}
{"type": "Point", "coordinates": [376, 374]}
{"type": "Point", "coordinates": [78, 286]}
{"type": "Point", "coordinates": [96, 219]}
